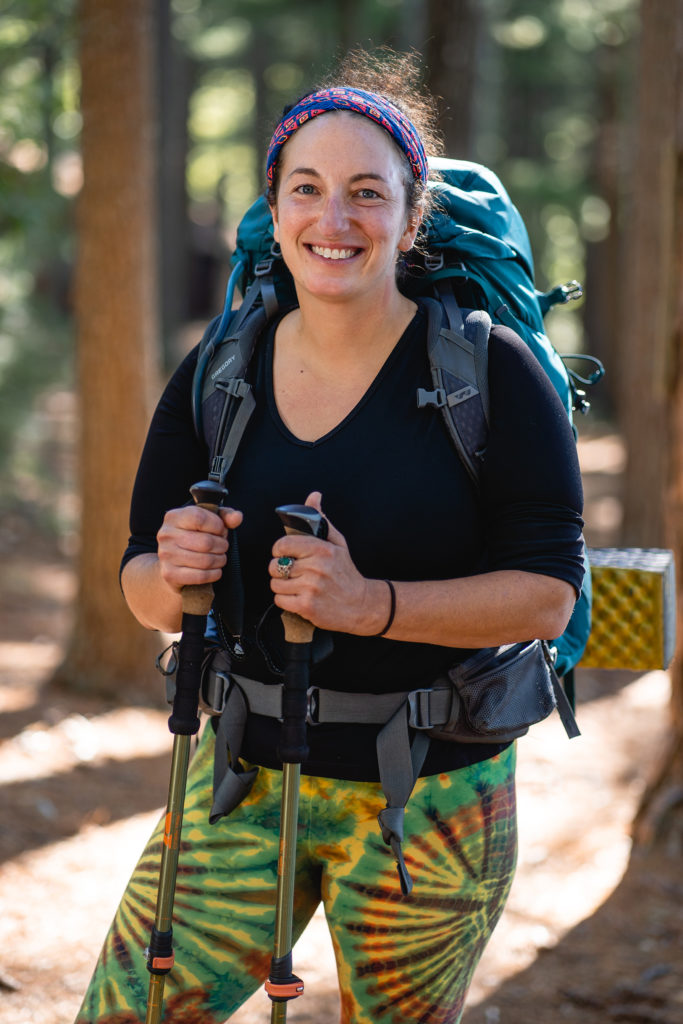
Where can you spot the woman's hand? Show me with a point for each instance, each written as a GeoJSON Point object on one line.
{"type": "Point", "coordinates": [193, 545]}
{"type": "Point", "coordinates": [498, 607]}
{"type": "Point", "coordinates": [324, 586]}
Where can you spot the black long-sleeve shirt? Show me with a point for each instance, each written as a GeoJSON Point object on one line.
{"type": "Point", "coordinates": [393, 485]}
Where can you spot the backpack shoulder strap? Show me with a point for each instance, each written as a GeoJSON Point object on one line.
{"type": "Point", "coordinates": [222, 401]}
{"type": "Point", "coordinates": [459, 367]}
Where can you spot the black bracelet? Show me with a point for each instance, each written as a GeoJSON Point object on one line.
{"type": "Point", "coordinates": [392, 611]}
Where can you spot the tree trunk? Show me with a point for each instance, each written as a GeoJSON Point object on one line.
{"type": "Point", "coordinates": [604, 258]}
{"type": "Point", "coordinates": [116, 315]}
{"type": "Point", "coordinates": [659, 244]}
{"type": "Point", "coordinates": [453, 35]}
{"type": "Point", "coordinates": [646, 364]}
{"type": "Point", "coordinates": [173, 84]}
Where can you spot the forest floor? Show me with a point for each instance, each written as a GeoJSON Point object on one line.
{"type": "Point", "coordinates": [593, 931]}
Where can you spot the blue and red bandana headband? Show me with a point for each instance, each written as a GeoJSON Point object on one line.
{"type": "Point", "coordinates": [377, 108]}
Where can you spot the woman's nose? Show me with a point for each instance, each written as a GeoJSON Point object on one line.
{"type": "Point", "coordinates": [333, 215]}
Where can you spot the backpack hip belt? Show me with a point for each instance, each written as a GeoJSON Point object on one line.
{"type": "Point", "coordinates": [428, 711]}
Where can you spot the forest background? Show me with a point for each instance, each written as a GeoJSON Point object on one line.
{"type": "Point", "coordinates": [131, 141]}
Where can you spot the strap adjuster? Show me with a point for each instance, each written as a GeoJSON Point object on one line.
{"type": "Point", "coordinates": [263, 267]}
{"type": "Point", "coordinates": [437, 398]}
{"type": "Point", "coordinates": [434, 261]}
{"type": "Point", "coordinates": [214, 692]}
{"type": "Point", "coordinates": [419, 709]}
{"type": "Point", "coordinates": [313, 705]}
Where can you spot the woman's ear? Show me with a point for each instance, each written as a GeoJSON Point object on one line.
{"type": "Point", "coordinates": [411, 229]}
{"type": "Point", "coordinates": [276, 229]}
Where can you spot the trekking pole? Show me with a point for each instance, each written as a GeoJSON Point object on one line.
{"type": "Point", "coordinates": [183, 723]}
{"type": "Point", "coordinates": [282, 985]}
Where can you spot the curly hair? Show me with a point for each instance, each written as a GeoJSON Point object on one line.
{"type": "Point", "coordinates": [398, 78]}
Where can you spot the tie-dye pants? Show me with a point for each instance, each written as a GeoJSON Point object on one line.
{"type": "Point", "coordinates": [399, 958]}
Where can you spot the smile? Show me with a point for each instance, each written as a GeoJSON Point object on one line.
{"type": "Point", "coordinates": [333, 254]}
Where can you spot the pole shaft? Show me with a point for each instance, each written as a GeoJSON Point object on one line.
{"type": "Point", "coordinates": [286, 870]}
{"type": "Point", "coordinates": [169, 864]}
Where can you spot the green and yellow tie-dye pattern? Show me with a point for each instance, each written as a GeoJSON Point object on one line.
{"type": "Point", "coordinates": [399, 957]}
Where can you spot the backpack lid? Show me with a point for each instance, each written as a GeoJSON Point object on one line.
{"type": "Point", "coordinates": [475, 214]}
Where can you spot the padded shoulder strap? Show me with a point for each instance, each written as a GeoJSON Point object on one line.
{"type": "Point", "coordinates": [222, 396]}
{"type": "Point", "coordinates": [459, 366]}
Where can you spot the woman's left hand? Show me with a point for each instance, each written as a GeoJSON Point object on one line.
{"type": "Point", "coordinates": [324, 586]}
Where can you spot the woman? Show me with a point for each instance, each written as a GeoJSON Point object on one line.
{"type": "Point", "coordinates": [416, 571]}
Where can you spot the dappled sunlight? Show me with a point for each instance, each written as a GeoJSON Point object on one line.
{"type": "Point", "coordinates": [69, 894]}
{"type": "Point", "coordinates": [41, 749]}
{"type": "Point", "coordinates": [577, 800]}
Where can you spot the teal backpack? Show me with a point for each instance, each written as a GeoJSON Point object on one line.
{"type": "Point", "coordinates": [473, 254]}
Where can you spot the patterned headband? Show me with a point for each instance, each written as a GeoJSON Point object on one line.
{"type": "Point", "coordinates": [377, 108]}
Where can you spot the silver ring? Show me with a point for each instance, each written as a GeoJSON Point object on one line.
{"type": "Point", "coordinates": [284, 566]}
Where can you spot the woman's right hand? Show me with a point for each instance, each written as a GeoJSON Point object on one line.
{"type": "Point", "coordinates": [193, 544]}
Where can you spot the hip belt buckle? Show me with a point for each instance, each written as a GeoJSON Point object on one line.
{"type": "Point", "coordinates": [313, 705]}
{"type": "Point", "coordinates": [420, 711]}
{"type": "Point", "coordinates": [214, 692]}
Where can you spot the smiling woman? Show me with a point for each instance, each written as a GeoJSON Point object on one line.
{"type": "Point", "coordinates": [341, 218]}
{"type": "Point", "coordinates": [417, 568]}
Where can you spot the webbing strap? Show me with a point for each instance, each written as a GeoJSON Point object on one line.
{"type": "Point", "coordinates": [450, 305]}
{"type": "Point", "coordinates": [399, 761]}
{"type": "Point", "coordinates": [427, 707]}
{"type": "Point", "coordinates": [564, 707]}
{"type": "Point", "coordinates": [399, 766]}
{"type": "Point", "coordinates": [238, 426]}
{"type": "Point", "coordinates": [231, 782]}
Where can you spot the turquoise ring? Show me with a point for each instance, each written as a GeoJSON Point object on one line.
{"type": "Point", "coordinates": [284, 566]}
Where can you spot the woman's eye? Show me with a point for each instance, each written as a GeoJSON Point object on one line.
{"type": "Point", "coordinates": [367, 193]}
{"type": "Point", "coordinates": [306, 190]}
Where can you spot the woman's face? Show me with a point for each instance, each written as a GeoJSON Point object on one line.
{"type": "Point", "coordinates": [340, 215]}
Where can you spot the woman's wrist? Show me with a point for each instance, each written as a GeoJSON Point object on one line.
{"type": "Point", "coordinates": [379, 608]}
{"type": "Point", "coordinates": [392, 610]}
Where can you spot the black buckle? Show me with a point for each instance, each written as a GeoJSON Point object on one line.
{"type": "Point", "coordinates": [263, 267]}
{"type": "Point", "coordinates": [434, 261]}
{"type": "Point", "coordinates": [437, 398]}
{"type": "Point", "coordinates": [312, 705]}
{"type": "Point", "coordinates": [419, 704]}
{"type": "Point", "coordinates": [214, 692]}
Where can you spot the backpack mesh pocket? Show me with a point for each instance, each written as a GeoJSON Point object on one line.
{"type": "Point", "coordinates": [499, 693]}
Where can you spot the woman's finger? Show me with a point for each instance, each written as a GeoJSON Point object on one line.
{"type": "Point", "coordinates": [315, 499]}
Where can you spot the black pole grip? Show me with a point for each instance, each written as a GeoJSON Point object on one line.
{"type": "Point", "coordinates": [293, 748]}
{"type": "Point", "coordinates": [185, 718]}
{"type": "Point", "coordinates": [303, 519]}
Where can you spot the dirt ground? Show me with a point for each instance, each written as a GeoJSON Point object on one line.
{"type": "Point", "coordinates": [593, 931]}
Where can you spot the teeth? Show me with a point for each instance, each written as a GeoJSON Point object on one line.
{"type": "Point", "coordinates": [333, 254]}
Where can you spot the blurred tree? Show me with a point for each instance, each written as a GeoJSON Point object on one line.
{"type": "Point", "coordinates": [652, 359]}
{"type": "Point", "coordinates": [116, 328]}
{"type": "Point", "coordinates": [550, 108]}
{"type": "Point", "coordinates": [451, 57]}
{"type": "Point", "coordinates": [648, 356]}
{"type": "Point", "coordinates": [174, 79]}
{"type": "Point", "coordinates": [39, 173]}
{"type": "Point", "coordinates": [601, 209]}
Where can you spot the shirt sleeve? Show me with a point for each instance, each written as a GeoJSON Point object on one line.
{"type": "Point", "coordinates": [531, 481]}
{"type": "Point", "coordinates": [172, 459]}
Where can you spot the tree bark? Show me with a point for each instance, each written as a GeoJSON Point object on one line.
{"type": "Point", "coordinates": [604, 258]}
{"type": "Point", "coordinates": [173, 85]}
{"type": "Point", "coordinates": [646, 366]}
{"type": "Point", "coordinates": [117, 343]}
{"type": "Point", "coordinates": [453, 34]}
{"type": "Point", "coordinates": [659, 247]}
